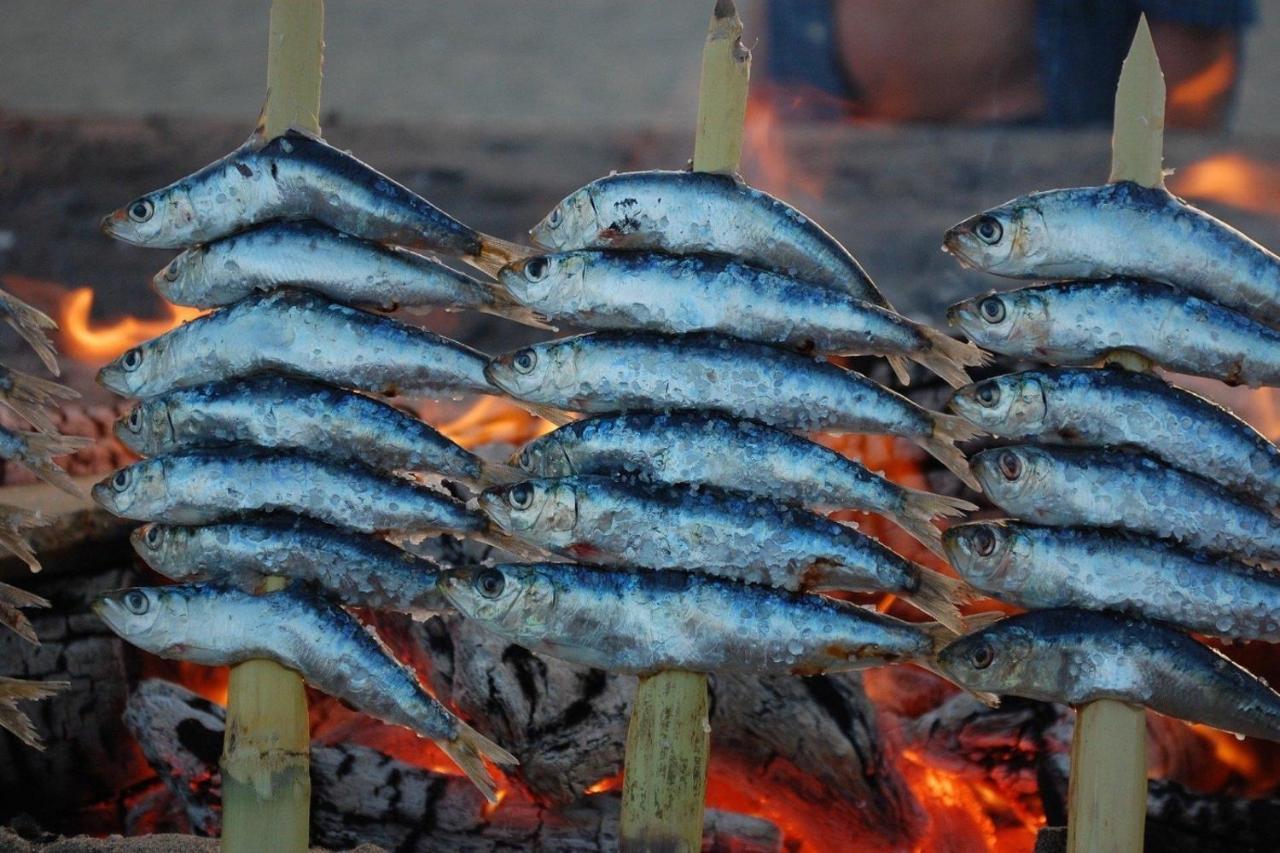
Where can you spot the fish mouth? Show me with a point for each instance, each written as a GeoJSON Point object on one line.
{"type": "Point", "coordinates": [953, 243]}
{"type": "Point", "coordinates": [493, 507]}
{"type": "Point", "coordinates": [107, 225]}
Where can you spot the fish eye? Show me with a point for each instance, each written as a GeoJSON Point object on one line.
{"type": "Point", "coordinates": [142, 210]}
{"type": "Point", "coordinates": [153, 536]}
{"type": "Point", "coordinates": [135, 419]}
{"type": "Point", "coordinates": [982, 655]}
{"type": "Point", "coordinates": [554, 218]}
{"type": "Point", "coordinates": [171, 271]}
{"type": "Point", "coordinates": [1010, 465]}
{"type": "Point", "coordinates": [490, 582]}
{"type": "Point", "coordinates": [989, 230]}
{"type": "Point", "coordinates": [137, 602]}
{"type": "Point", "coordinates": [525, 361]}
{"type": "Point", "coordinates": [121, 480]}
{"type": "Point", "coordinates": [520, 496]}
{"type": "Point", "coordinates": [988, 394]}
{"type": "Point", "coordinates": [526, 459]}
{"type": "Point", "coordinates": [535, 269]}
{"type": "Point", "coordinates": [132, 359]}
{"type": "Point", "coordinates": [992, 309]}
{"type": "Point", "coordinates": [984, 541]}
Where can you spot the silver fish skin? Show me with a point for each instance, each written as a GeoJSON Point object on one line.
{"type": "Point", "coordinates": [341, 267]}
{"type": "Point", "coordinates": [35, 451]}
{"type": "Point", "coordinates": [1065, 487]}
{"type": "Point", "coordinates": [1122, 229]}
{"type": "Point", "coordinates": [642, 621]}
{"type": "Point", "coordinates": [710, 293]}
{"type": "Point", "coordinates": [1123, 408]}
{"type": "Point", "coordinates": [728, 453]}
{"type": "Point", "coordinates": [619, 371]}
{"type": "Point", "coordinates": [354, 569]}
{"type": "Point", "coordinates": [741, 537]}
{"type": "Point", "coordinates": [1040, 567]}
{"type": "Point", "coordinates": [1080, 322]}
{"type": "Point", "coordinates": [293, 414]}
{"type": "Point", "coordinates": [221, 626]}
{"type": "Point", "coordinates": [299, 334]}
{"type": "Point", "coordinates": [203, 486]}
{"type": "Point", "coordinates": [1079, 656]}
{"type": "Point", "coordinates": [686, 213]}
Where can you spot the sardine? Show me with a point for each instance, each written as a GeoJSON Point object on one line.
{"type": "Point", "coordinates": [300, 334]}
{"type": "Point", "coordinates": [33, 326]}
{"type": "Point", "coordinates": [35, 451]}
{"type": "Point", "coordinates": [1122, 229]}
{"type": "Point", "coordinates": [1079, 656]}
{"type": "Point", "coordinates": [645, 291]}
{"type": "Point", "coordinates": [203, 486]}
{"type": "Point", "coordinates": [356, 570]}
{"type": "Point", "coordinates": [12, 600]}
{"type": "Point", "coordinates": [744, 538]}
{"type": "Point", "coordinates": [1122, 408]}
{"type": "Point", "coordinates": [285, 413]}
{"type": "Point", "coordinates": [1108, 488]}
{"type": "Point", "coordinates": [642, 621]}
{"type": "Point", "coordinates": [298, 176]}
{"type": "Point", "coordinates": [616, 371]}
{"type": "Point", "coordinates": [1076, 323]}
{"type": "Point", "coordinates": [341, 267]}
{"type": "Point", "coordinates": [15, 690]}
{"type": "Point", "coordinates": [696, 447]}
{"type": "Point", "coordinates": [221, 626]}
{"type": "Point", "coordinates": [1039, 567]}
{"type": "Point", "coordinates": [29, 397]}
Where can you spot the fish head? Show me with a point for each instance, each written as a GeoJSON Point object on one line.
{"type": "Point", "coordinates": [539, 281]}
{"type": "Point", "coordinates": [1010, 405]}
{"type": "Point", "coordinates": [997, 659]}
{"type": "Point", "coordinates": [136, 368]}
{"type": "Point", "coordinates": [133, 492]}
{"type": "Point", "coordinates": [546, 456]}
{"type": "Point", "coordinates": [1005, 240]}
{"type": "Point", "coordinates": [982, 551]}
{"type": "Point", "coordinates": [538, 373]}
{"type": "Point", "coordinates": [517, 598]}
{"type": "Point", "coordinates": [1016, 321]}
{"type": "Point", "coordinates": [162, 219]}
{"type": "Point", "coordinates": [147, 429]}
{"type": "Point", "coordinates": [165, 548]}
{"type": "Point", "coordinates": [185, 280]}
{"type": "Point", "coordinates": [155, 619]}
{"type": "Point", "coordinates": [545, 509]}
{"type": "Point", "coordinates": [571, 223]}
{"type": "Point", "coordinates": [1011, 475]}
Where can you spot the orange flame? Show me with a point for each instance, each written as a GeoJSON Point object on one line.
{"type": "Point", "coordinates": [84, 340]}
{"type": "Point", "coordinates": [493, 420]}
{"type": "Point", "coordinates": [1231, 178]}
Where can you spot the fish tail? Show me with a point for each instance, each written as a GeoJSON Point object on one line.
{"type": "Point", "coordinates": [12, 598]}
{"type": "Point", "coordinates": [941, 596]}
{"type": "Point", "coordinates": [31, 323]}
{"type": "Point", "coordinates": [504, 305]}
{"type": "Point", "coordinates": [498, 474]}
{"type": "Point", "coordinates": [468, 749]}
{"type": "Point", "coordinates": [496, 253]}
{"type": "Point", "coordinates": [556, 416]}
{"type": "Point", "coordinates": [948, 357]}
{"type": "Point", "coordinates": [918, 510]}
{"type": "Point", "coordinates": [42, 447]}
{"type": "Point", "coordinates": [941, 445]}
{"type": "Point", "coordinates": [20, 597]}
{"type": "Point", "coordinates": [898, 364]}
{"type": "Point", "coordinates": [516, 547]}
{"type": "Point", "coordinates": [13, 690]}
{"type": "Point", "coordinates": [14, 524]}
{"type": "Point", "coordinates": [29, 396]}
{"type": "Point", "coordinates": [940, 636]}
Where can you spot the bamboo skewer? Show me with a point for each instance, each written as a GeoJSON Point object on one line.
{"type": "Point", "coordinates": [1107, 793]}
{"type": "Point", "coordinates": [669, 739]}
{"type": "Point", "coordinates": [266, 778]}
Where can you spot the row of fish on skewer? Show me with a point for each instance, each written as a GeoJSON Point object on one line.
{"type": "Point", "coordinates": [268, 452]}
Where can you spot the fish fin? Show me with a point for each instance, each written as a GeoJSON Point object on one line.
{"type": "Point", "coordinates": [29, 395]}
{"type": "Point", "coordinates": [14, 524]}
{"type": "Point", "coordinates": [13, 690]}
{"type": "Point", "coordinates": [918, 510]}
{"type": "Point", "coordinates": [496, 253]}
{"type": "Point", "coordinates": [548, 413]}
{"type": "Point", "coordinates": [948, 357]}
{"type": "Point", "coordinates": [941, 596]}
{"type": "Point", "coordinates": [947, 430]}
{"type": "Point", "coordinates": [31, 323]}
{"type": "Point", "coordinates": [898, 364]}
{"type": "Point", "coordinates": [468, 749]}
{"type": "Point", "coordinates": [20, 597]}
{"type": "Point", "coordinates": [42, 447]}
{"type": "Point", "coordinates": [14, 619]}
{"type": "Point", "coordinates": [498, 473]}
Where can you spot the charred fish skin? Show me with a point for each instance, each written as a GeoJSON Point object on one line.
{"type": "Point", "coordinates": [305, 254]}
{"type": "Point", "coordinates": [356, 570]}
{"type": "Point", "coordinates": [1123, 408]}
{"type": "Point", "coordinates": [299, 334]}
{"type": "Point", "coordinates": [1046, 567]}
{"type": "Point", "coordinates": [1064, 487]}
{"type": "Point", "coordinates": [219, 626]}
{"type": "Point", "coordinates": [291, 176]}
{"type": "Point", "coordinates": [729, 453]}
{"type": "Point", "coordinates": [293, 414]}
{"type": "Point", "coordinates": [642, 621]}
{"type": "Point", "coordinates": [204, 486]}
{"type": "Point", "coordinates": [654, 292]}
{"type": "Point", "coordinates": [1122, 229]}
{"type": "Point", "coordinates": [608, 372]}
{"type": "Point", "coordinates": [701, 212]}
{"type": "Point", "coordinates": [1077, 323]}
{"type": "Point", "coordinates": [1079, 656]}
{"type": "Point", "coordinates": [742, 537]}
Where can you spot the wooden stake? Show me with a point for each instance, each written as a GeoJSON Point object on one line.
{"type": "Point", "coordinates": [664, 787]}
{"type": "Point", "coordinates": [1107, 794]}
{"type": "Point", "coordinates": [266, 775]}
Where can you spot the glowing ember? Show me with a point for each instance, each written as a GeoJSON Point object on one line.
{"type": "Point", "coordinates": [100, 343]}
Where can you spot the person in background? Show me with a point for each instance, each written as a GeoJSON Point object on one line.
{"type": "Point", "coordinates": [1048, 62]}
